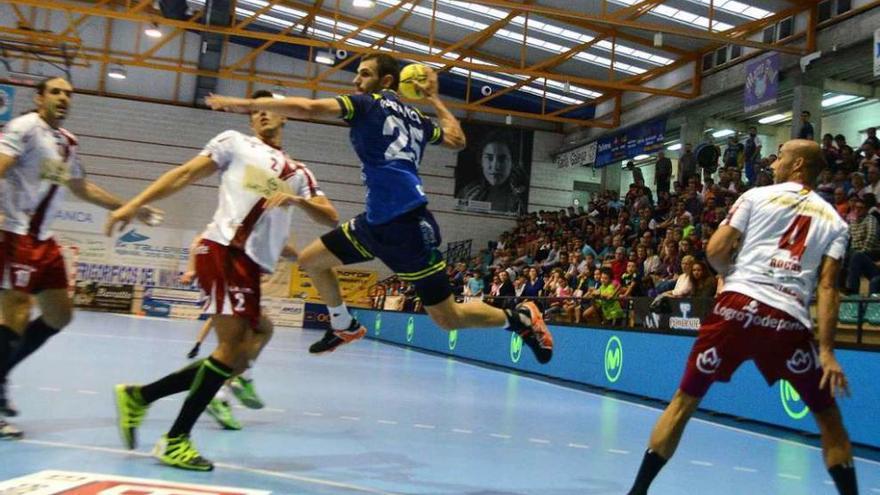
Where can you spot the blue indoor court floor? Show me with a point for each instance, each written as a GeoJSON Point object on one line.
{"type": "Point", "coordinates": [376, 418]}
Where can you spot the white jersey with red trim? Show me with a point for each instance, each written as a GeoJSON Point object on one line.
{"type": "Point", "coordinates": [786, 230]}
{"type": "Point", "coordinates": [250, 172]}
{"type": "Point", "coordinates": [45, 160]}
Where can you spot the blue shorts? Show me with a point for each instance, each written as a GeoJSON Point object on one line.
{"type": "Point", "coordinates": [407, 244]}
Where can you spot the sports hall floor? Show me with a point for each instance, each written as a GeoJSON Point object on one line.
{"type": "Point", "coordinates": [376, 418]}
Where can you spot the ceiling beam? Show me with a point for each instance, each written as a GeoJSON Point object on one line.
{"type": "Point", "coordinates": [645, 26]}
{"type": "Point", "coordinates": [603, 85]}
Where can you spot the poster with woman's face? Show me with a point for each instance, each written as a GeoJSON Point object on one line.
{"type": "Point", "coordinates": [495, 167]}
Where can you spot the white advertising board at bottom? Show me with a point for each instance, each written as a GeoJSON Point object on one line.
{"type": "Point", "coordinates": [73, 483]}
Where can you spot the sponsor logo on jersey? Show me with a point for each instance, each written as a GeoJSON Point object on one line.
{"type": "Point", "coordinates": [800, 362]}
{"type": "Point", "coordinates": [749, 317]}
{"type": "Point", "coordinates": [708, 361]}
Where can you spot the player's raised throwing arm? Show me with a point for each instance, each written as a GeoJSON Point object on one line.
{"type": "Point", "coordinates": [166, 185]}
{"type": "Point", "coordinates": [453, 135]}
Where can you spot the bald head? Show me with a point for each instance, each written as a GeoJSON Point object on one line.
{"type": "Point", "coordinates": [800, 160]}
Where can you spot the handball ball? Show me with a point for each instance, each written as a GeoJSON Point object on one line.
{"type": "Point", "coordinates": [411, 74]}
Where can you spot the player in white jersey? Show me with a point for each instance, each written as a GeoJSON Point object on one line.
{"type": "Point", "coordinates": [38, 160]}
{"type": "Point", "coordinates": [789, 238]}
{"type": "Point", "coordinates": [246, 238]}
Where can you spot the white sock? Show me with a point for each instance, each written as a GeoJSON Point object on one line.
{"type": "Point", "coordinates": [222, 395]}
{"type": "Point", "coordinates": [340, 318]}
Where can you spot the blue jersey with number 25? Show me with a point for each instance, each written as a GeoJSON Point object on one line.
{"type": "Point", "coordinates": [389, 137]}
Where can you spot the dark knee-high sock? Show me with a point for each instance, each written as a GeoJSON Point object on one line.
{"type": "Point", "coordinates": [171, 384]}
{"type": "Point", "coordinates": [652, 463]}
{"type": "Point", "coordinates": [8, 341]}
{"type": "Point", "coordinates": [209, 379]}
{"type": "Point", "coordinates": [844, 476]}
{"type": "Point", "coordinates": [35, 335]}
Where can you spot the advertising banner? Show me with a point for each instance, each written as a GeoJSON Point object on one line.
{"type": "Point", "coordinates": [315, 316]}
{"type": "Point", "coordinates": [762, 82]}
{"type": "Point", "coordinates": [877, 53]}
{"type": "Point", "coordinates": [173, 303]}
{"type": "Point", "coordinates": [642, 139]}
{"type": "Point", "coordinates": [642, 363]}
{"type": "Point", "coordinates": [355, 285]}
{"type": "Point", "coordinates": [581, 156]}
{"type": "Point", "coordinates": [283, 311]}
{"type": "Point", "coordinates": [96, 296]}
{"type": "Point", "coordinates": [685, 314]}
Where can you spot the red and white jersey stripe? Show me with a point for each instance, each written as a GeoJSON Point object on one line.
{"type": "Point", "coordinates": [786, 231]}
{"type": "Point", "coordinates": [45, 160]}
{"type": "Point", "coordinates": [250, 172]}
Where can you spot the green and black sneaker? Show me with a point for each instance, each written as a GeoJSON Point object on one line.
{"type": "Point", "coordinates": [130, 412]}
{"type": "Point", "coordinates": [180, 452]}
{"type": "Point", "coordinates": [244, 391]}
{"type": "Point", "coordinates": [220, 410]}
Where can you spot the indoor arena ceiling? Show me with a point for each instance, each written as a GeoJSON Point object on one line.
{"type": "Point", "coordinates": [551, 60]}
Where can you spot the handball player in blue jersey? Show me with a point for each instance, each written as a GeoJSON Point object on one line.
{"type": "Point", "coordinates": [390, 137]}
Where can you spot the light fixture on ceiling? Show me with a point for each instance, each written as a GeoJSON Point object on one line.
{"type": "Point", "coordinates": [837, 100]}
{"type": "Point", "coordinates": [325, 57]}
{"type": "Point", "coordinates": [116, 71]}
{"type": "Point", "coordinates": [674, 147]}
{"type": "Point", "coordinates": [639, 158]}
{"type": "Point", "coordinates": [723, 133]}
{"type": "Point", "coordinates": [363, 3]}
{"type": "Point", "coordinates": [658, 40]}
{"type": "Point", "coordinates": [773, 119]}
{"type": "Point", "coordinates": [508, 119]}
{"type": "Point", "coordinates": [153, 31]}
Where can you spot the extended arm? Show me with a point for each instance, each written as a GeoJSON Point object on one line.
{"type": "Point", "coordinates": [292, 106]}
{"type": "Point", "coordinates": [318, 208]}
{"type": "Point", "coordinates": [166, 185]}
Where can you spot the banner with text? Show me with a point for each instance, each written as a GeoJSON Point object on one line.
{"type": "Point", "coordinates": [581, 156]}
{"type": "Point", "coordinates": [762, 82]}
{"type": "Point", "coordinates": [642, 139]}
{"type": "Point", "coordinates": [7, 96]}
{"type": "Point", "coordinates": [355, 285]}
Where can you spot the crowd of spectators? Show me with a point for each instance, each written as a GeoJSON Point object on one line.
{"type": "Point", "coordinates": [583, 264]}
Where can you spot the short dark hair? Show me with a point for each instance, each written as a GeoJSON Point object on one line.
{"type": "Point", "coordinates": [387, 65]}
{"type": "Point", "coordinates": [262, 93]}
{"type": "Point", "coordinates": [41, 86]}
{"type": "Point", "coordinates": [870, 200]}
{"type": "Point", "coordinates": [806, 112]}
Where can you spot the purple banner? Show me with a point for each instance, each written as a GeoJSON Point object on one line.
{"type": "Point", "coordinates": [762, 82]}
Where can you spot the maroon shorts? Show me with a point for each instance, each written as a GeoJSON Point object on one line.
{"type": "Point", "coordinates": [738, 329]}
{"type": "Point", "coordinates": [30, 265]}
{"type": "Point", "coordinates": [230, 281]}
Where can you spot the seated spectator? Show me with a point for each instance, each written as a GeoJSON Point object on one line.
{"type": "Point", "coordinates": [605, 305]}
{"type": "Point", "coordinates": [864, 249]}
{"type": "Point", "coordinates": [705, 284]}
{"type": "Point", "coordinates": [534, 286]}
{"type": "Point", "coordinates": [506, 291]}
{"type": "Point", "coordinates": [474, 287]}
{"type": "Point", "coordinates": [631, 281]}
{"type": "Point", "coordinates": [561, 295]}
{"type": "Point", "coordinates": [618, 264]}
{"type": "Point", "coordinates": [841, 202]}
{"type": "Point", "coordinates": [857, 179]}
{"type": "Point", "coordinates": [684, 284]}
{"type": "Point", "coordinates": [825, 187]}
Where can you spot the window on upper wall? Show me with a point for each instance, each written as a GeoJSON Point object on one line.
{"type": "Point", "coordinates": [735, 51]}
{"type": "Point", "coordinates": [721, 56]}
{"type": "Point", "coordinates": [707, 61]}
{"type": "Point", "coordinates": [843, 6]}
{"type": "Point", "coordinates": [825, 10]}
{"type": "Point", "coordinates": [769, 34]}
{"type": "Point", "coordinates": [786, 28]}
